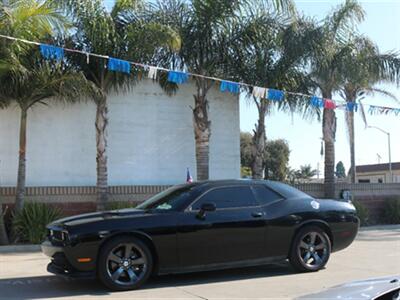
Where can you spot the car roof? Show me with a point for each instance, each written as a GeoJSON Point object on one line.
{"type": "Point", "coordinates": [282, 188]}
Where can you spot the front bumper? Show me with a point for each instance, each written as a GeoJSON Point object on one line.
{"type": "Point", "coordinates": [60, 265]}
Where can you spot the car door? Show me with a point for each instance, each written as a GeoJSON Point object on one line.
{"type": "Point", "coordinates": [235, 231]}
{"type": "Point", "coordinates": [278, 223]}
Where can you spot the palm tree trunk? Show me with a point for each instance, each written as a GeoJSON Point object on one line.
{"type": "Point", "coordinates": [101, 147]}
{"type": "Point", "coordinates": [350, 124]}
{"type": "Point", "coordinates": [329, 133]}
{"type": "Point", "coordinates": [3, 233]}
{"type": "Point", "coordinates": [202, 129]}
{"type": "Point", "coordinates": [259, 139]}
{"type": "Point", "coordinates": [20, 193]}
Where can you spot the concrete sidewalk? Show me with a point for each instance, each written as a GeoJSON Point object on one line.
{"type": "Point", "coordinates": [376, 252]}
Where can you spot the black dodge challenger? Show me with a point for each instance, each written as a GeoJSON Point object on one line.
{"type": "Point", "coordinates": [201, 226]}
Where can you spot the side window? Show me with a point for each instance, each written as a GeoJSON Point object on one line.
{"type": "Point", "coordinates": [228, 197]}
{"type": "Point", "coordinates": [264, 195]}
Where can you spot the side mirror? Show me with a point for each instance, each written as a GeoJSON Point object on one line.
{"type": "Point", "coordinates": [204, 208]}
{"type": "Point", "coordinates": [208, 207]}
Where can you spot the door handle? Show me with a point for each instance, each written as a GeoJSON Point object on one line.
{"type": "Point", "coordinates": [257, 214]}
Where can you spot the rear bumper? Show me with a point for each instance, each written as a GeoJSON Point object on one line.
{"type": "Point", "coordinates": [60, 265]}
{"type": "Point", "coordinates": [345, 233]}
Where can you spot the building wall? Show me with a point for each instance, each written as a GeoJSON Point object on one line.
{"type": "Point", "coordinates": [151, 139]}
{"type": "Point", "coordinates": [374, 177]}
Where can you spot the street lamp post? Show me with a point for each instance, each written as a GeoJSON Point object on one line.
{"type": "Point", "coordinates": [389, 150]}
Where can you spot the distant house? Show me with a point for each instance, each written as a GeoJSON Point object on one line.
{"type": "Point", "coordinates": [377, 173]}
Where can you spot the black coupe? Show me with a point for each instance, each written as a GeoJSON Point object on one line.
{"type": "Point", "coordinates": [201, 226]}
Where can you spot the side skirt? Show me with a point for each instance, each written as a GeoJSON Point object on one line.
{"type": "Point", "coordinates": [223, 266]}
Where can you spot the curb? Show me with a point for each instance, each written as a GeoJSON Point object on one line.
{"type": "Point", "coordinates": [380, 227]}
{"type": "Point", "coordinates": [19, 248]}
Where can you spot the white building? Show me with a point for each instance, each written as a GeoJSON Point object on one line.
{"type": "Point", "coordinates": [151, 139]}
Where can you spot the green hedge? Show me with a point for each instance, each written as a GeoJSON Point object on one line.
{"type": "Point", "coordinates": [362, 212]}
{"type": "Point", "coordinates": [29, 225]}
{"type": "Point", "coordinates": [391, 213]}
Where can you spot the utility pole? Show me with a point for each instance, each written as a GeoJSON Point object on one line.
{"type": "Point", "coordinates": [389, 150]}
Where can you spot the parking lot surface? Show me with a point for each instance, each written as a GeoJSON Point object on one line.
{"type": "Point", "coordinates": [376, 252]}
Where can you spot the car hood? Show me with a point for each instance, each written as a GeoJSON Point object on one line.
{"type": "Point", "coordinates": [97, 216]}
{"type": "Point", "coordinates": [363, 289]}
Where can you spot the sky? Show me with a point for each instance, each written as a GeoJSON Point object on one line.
{"type": "Point", "coordinates": [382, 25]}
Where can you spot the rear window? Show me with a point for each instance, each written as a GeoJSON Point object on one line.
{"type": "Point", "coordinates": [264, 195]}
{"type": "Point", "coordinates": [286, 190]}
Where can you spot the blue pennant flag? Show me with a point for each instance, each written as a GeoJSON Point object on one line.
{"type": "Point", "coordinates": [119, 65]}
{"type": "Point", "coordinates": [178, 77]}
{"type": "Point", "coordinates": [51, 52]}
{"type": "Point", "coordinates": [317, 102]}
{"type": "Point", "coordinates": [228, 86]}
{"type": "Point", "coordinates": [351, 106]}
{"type": "Point", "coordinates": [275, 95]}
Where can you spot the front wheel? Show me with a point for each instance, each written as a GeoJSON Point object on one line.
{"type": "Point", "coordinates": [125, 263]}
{"type": "Point", "coordinates": [311, 249]}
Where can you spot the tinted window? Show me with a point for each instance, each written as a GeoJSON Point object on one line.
{"type": "Point", "coordinates": [264, 195]}
{"type": "Point", "coordinates": [227, 197]}
{"type": "Point", "coordinates": [170, 199]}
{"type": "Point", "coordinates": [286, 190]}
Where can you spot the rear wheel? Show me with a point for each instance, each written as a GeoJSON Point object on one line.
{"type": "Point", "coordinates": [311, 249]}
{"type": "Point", "coordinates": [125, 263]}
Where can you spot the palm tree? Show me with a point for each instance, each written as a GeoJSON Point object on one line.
{"type": "Point", "coordinates": [30, 83]}
{"type": "Point", "coordinates": [364, 68]}
{"type": "Point", "coordinates": [34, 20]}
{"type": "Point", "coordinates": [305, 173]}
{"type": "Point", "coordinates": [125, 32]}
{"type": "Point", "coordinates": [269, 52]}
{"type": "Point", "coordinates": [331, 44]}
{"type": "Point", "coordinates": [206, 42]}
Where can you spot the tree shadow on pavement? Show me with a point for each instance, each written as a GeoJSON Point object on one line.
{"type": "Point", "coordinates": [51, 286]}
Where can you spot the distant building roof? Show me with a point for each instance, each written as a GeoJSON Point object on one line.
{"type": "Point", "coordinates": [377, 167]}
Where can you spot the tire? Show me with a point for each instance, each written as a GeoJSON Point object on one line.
{"type": "Point", "coordinates": [125, 263]}
{"type": "Point", "coordinates": [311, 249]}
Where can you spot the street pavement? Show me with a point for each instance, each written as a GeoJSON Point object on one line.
{"type": "Point", "coordinates": [376, 252]}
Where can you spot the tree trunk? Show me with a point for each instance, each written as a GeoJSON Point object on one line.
{"type": "Point", "coordinates": [329, 133]}
{"type": "Point", "coordinates": [19, 200]}
{"type": "Point", "coordinates": [101, 147]}
{"type": "Point", "coordinates": [259, 139]}
{"type": "Point", "coordinates": [350, 124]}
{"type": "Point", "coordinates": [3, 233]}
{"type": "Point", "coordinates": [202, 129]}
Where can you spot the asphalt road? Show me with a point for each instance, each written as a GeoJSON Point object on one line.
{"type": "Point", "coordinates": [375, 253]}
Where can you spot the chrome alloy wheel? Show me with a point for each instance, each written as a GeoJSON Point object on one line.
{"type": "Point", "coordinates": [313, 250]}
{"type": "Point", "coordinates": [126, 264]}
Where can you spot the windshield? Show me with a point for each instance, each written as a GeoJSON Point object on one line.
{"type": "Point", "coordinates": [170, 199]}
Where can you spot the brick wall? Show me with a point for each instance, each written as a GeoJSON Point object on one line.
{"type": "Point", "coordinates": [74, 200]}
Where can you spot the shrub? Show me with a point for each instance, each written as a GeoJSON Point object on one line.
{"type": "Point", "coordinates": [362, 212]}
{"type": "Point", "coordinates": [391, 213]}
{"type": "Point", "coordinates": [29, 225]}
{"type": "Point", "coordinates": [115, 205]}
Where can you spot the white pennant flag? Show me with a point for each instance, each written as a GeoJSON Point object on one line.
{"type": "Point", "coordinates": [152, 73]}
{"type": "Point", "coordinates": [259, 92]}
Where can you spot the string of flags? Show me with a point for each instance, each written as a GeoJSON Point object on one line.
{"type": "Point", "coordinates": [382, 110]}
{"type": "Point", "coordinates": [51, 52]}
